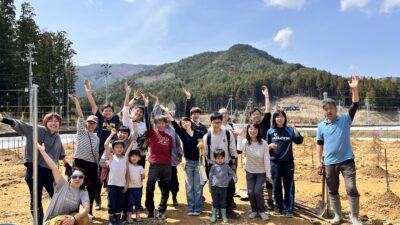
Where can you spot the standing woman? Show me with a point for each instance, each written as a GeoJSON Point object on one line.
{"type": "Point", "coordinates": [87, 150]}
{"type": "Point", "coordinates": [64, 206]}
{"type": "Point", "coordinates": [257, 166]}
{"type": "Point", "coordinates": [280, 138]}
{"type": "Point", "coordinates": [47, 134]}
{"type": "Point", "coordinates": [190, 139]}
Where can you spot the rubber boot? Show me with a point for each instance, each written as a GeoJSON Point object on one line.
{"type": "Point", "coordinates": [337, 209]}
{"type": "Point", "coordinates": [223, 214]}
{"type": "Point", "coordinates": [129, 217]}
{"type": "Point", "coordinates": [354, 203]}
{"type": "Point", "coordinates": [213, 217]}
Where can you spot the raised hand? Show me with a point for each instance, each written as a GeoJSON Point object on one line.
{"type": "Point", "coordinates": [264, 90]}
{"type": "Point", "coordinates": [154, 97]}
{"type": "Point", "coordinates": [114, 131]}
{"type": "Point", "coordinates": [187, 93]}
{"type": "Point", "coordinates": [238, 132]}
{"type": "Point", "coordinates": [1, 117]}
{"type": "Point", "coordinates": [165, 109]}
{"type": "Point", "coordinates": [126, 87]}
{"type": "Point", "coordinates": [87, 86]}
{"type": "Point", "coordinates": [73, 98]}
{"type": "Point", "coordinates": [293, 123]}
{"type": "Point", "coordinates": [354, 82]}
{"type": "Point", "coordinates": [145, 100]}
{"type": "Point", "coordinates": [138, 94]}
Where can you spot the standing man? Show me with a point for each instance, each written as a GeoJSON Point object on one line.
{"type": "Point", "coordinates": [106, 122]}
{"type": "Point", "coordinates": [220, 139]}
{"type": "Point", "coordinates": [333, 135]}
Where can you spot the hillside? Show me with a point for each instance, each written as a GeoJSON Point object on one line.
{"type": "Point", "coordinates": [94, 72]}
{"type": "Point", "coordinates": [241, 71]}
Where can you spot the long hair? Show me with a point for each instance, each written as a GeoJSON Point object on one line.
{"type": "Point", "coordinates": [258, 137]}
{"type": "Point", "coordinates": [276, 114]}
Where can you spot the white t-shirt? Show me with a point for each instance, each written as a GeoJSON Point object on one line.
{"type": "Point", "coordinates": [135, 176]}
{"type": "Point", "coordinates": [117, 172]}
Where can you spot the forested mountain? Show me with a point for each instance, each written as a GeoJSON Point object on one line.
{"type": "Point", "coordinates": [53, 68]}
{"type": "Point", "coordinates": [95, 74]}
{"type": "Point", "coordinates": [241, 71]}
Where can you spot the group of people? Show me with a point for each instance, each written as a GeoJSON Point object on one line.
{"type": "Point", "coordinates": [116, 156]}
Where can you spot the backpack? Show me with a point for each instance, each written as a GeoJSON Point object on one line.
{"type": "Point", "coordinates": [142, 143]}
{"type": "Point", "coordinates": [228, 137]}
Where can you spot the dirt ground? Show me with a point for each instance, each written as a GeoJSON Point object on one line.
{"type": "Point", "coordinates": [377, 205]}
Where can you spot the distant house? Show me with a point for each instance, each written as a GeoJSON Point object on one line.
{"type": "Point", "coordinates": [291, 107]}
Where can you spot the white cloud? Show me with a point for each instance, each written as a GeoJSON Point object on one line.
{"type": "Point", "coordinates": [290, 4]}
{"type": "Point", "coordinates": [389, 5]}
{"type": "Point", "coordinates": [283, 37]}
{"type": "Point", "coordinates": [346, 5]}
{"type": "Point", "coordinates": [353, 67]}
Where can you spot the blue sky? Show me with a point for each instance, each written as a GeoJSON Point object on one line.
{"type": "Point", "coordinates": [341, 36]}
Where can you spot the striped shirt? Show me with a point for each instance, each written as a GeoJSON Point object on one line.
{"type": "Point", "coordinates": [257, 156]}
{"type": "Point", "coordinates": [87, 144]}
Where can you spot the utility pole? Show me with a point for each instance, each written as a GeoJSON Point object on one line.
{"type": "Point", "coordinates": [106, 73]}
{"type": "Point", "coordinates": [248, 107]}
{"type": "Point", "coordinates": [230, 103]}
{"type": "Point", "coordinates": [30, 59]}
{"type": "Point", "coordinates": [367, 112]}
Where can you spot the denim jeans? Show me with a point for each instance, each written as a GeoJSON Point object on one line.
{"type": "Point", "coordinates": [255, 188]}
{"type": "Point", "coordinates": [194, 191]}
{"type": "Point", "coordinates": [283, 172]}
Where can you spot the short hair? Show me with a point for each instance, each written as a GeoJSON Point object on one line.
{"type": "Point", "coordinates": [195, 110]}
{"type": "Point", "coordinates": [86, 181]}
{"type": "Point", "coordinates": [50, 116]}
{"type": "Point", "coordinates": [118, 142]}
{"type": "Point", "coordinates": [328, 101]}
{"type": "Point", "coordinates": [138, 106]}
{"type": "Point", "coordinates": [108, 106]}
{"type": "Point", "coordinates": [124, 129]}
{"type": "Point", "coordinates": [255, 110]}
{"type": "Point", "coordinates": [160, 118]}
{"type": "Point", "coordinates": [185, 119]}
{"type": "Point", "coordinates": [135, 152]}
{"type": "Point", "coordinates": [219, 152]}
{"type": "Point", "coordinates": [276, 114]}
{"type": "Point", "coordinates": [216, 116]}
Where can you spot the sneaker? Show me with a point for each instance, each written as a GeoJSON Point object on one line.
{"type": "Point", "coordinates": [252, 215]}
{"type": "Point", "coordinates": [91, 217]}
{"type": "Point", "coordinates": [264, 216]}
{"type": "Point", "coordinates": [97, 207]}
{"type": "Point", "coordinates": [161, 216]}
{"type": "Point", "coordinates": [190, 213]}
{"type": "Point", "coordinates": [196, 213]}
{"type": "Point", "coordinates": [289, 214]}
{"type": "Point", "coordinates": [270, 204]}
{"type": "Point", "coordinates": [278, 212]}
{"type": "Point", "coordinates": [175, 202]}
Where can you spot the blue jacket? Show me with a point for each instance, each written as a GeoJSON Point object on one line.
{"type": "Point", "coordinates": [283, 137]}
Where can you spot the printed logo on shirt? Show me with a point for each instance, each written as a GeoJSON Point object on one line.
{"type": "Point", "coordinates": [163, 140]}
{"type": "Point", "coordinates": [108, 126]}
{"type": "Point", "coordinates": [277, 138]}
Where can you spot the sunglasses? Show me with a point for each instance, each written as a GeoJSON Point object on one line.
{"type": "Point", "coordinates": [76, 177]}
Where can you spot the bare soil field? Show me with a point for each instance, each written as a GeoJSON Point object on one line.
{"type": "Point", "coordinates": [377, 205]}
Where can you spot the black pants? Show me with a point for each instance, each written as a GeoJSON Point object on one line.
{"type": "Point", "coordinates": [91, 169]}
{"type": "Point", "coordinates": [218, 196]}
{"type": "Point", "coordinates": [98, 186]}
{"type": "Point", "coordinates": [231, 190]}
{"type": "Point", "coordinates": [163, 174]}
{"type": "Point", "coordinates": [116, 199]}
{"type": "Point", "coordinates": [283, 172]}
{"type": "Point", "coordinates": [45, 180]}
{"type": "Point", "coordinates": [348, 170]}
{"type": "Point", "coordinates": [174, 186]}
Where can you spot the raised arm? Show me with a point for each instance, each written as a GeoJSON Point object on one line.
{"type": "Point", "coordinates": [267, 102]}
{"type": "Point", "coordinates": [75, 100]}
{"type": "Point", "coordinates": [355, 97]}
{"type": "Point", "coordinates": [92, 103]}
{"type": "Point", "coordinates": [188, 102]}
{"type": "Point", "coordinates": [146, 113]}
{"type": "Point", "coordinates": [54, 169]}
{"type": "Point", "coordinates": [107, 144]}
{"type": "Point", "coordinates": [297, 138]}
{"type": "Point", "coordinates": [127, 93]}
{"type": "Point", "coordinates": [18, 126]}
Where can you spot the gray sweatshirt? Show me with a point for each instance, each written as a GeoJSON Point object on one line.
{"type": "Point", "coordinates": [221, 175]}
{"type": "Point", "coordinates": [53, 144]}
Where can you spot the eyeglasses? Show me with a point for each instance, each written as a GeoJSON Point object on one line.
{"type": "Point", "coordinates": [77, 177]}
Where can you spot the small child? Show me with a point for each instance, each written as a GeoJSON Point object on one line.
{"type": "Point", "coordinates": [117, 179]}
{"type": "Point", "coordinates": [219, 178]}
{"type": "Point", "coordinates": [134, 193]}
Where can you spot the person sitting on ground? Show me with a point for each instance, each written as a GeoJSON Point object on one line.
{"type": "Point", "coordinates": [64, 206]}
